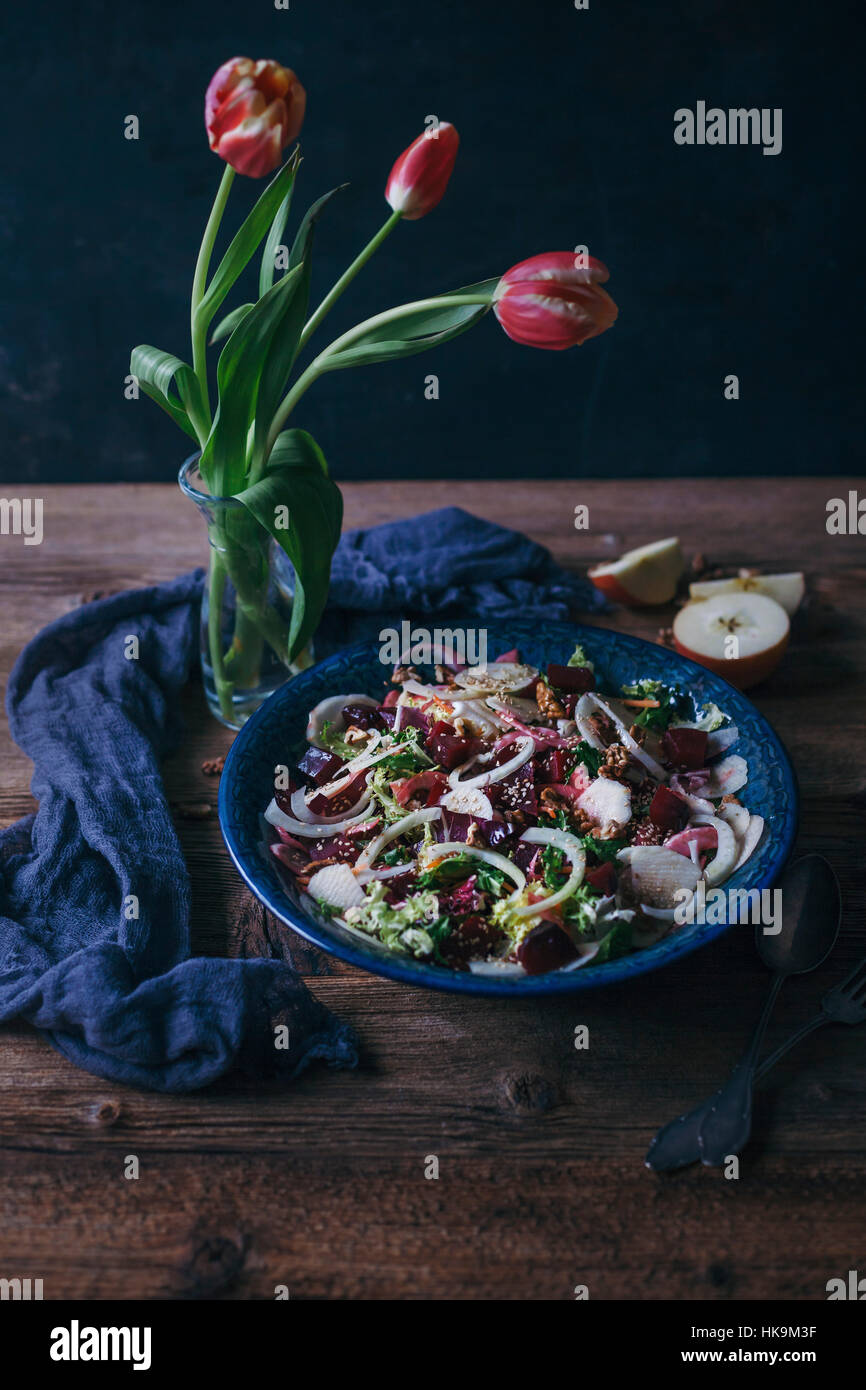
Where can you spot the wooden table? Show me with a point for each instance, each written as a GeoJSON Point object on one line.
{"type": "Point", "coordinates": [541, 1181]}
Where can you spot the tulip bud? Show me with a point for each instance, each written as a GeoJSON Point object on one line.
{"type": "Point", "coordinates": [554, 301]}
{"type": "Point", "coordinates": [252, 111]}
{"type": "Point", "coordinates": [420, 176]}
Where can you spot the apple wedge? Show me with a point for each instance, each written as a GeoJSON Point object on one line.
{"type": "Point", "coordinates": [704, 630]}
{"type": "Point", "coordinates": [642, 577]}
{"type": "Point", "coordinates": [787, 589]}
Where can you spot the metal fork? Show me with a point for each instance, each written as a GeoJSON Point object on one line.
{"type": "Point", "coordinates": [844, 1003]}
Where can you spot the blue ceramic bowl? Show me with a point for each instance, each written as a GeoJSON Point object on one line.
{"type": "Point", "coordinates": [275, 734]}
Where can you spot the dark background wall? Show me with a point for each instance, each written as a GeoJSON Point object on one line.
{"type": "Point", "coordinates": [722, 260]}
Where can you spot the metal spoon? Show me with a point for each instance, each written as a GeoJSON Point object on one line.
{"type": "Point", "coordinates": [811, 915]}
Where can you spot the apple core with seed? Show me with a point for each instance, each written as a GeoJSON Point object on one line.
{"type": "Point", "coordinates": [758, 625]}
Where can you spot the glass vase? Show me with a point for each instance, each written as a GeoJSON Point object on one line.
{"type": "Point", "coordinates": [246, 608]}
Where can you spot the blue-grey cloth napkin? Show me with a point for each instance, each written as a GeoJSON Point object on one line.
{"type": "Point", "coordinates": [448, 563]}
{"type": "Point", "coordinates": [94, 892]}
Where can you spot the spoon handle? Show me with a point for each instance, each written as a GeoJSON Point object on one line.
{"type": "Point", "coordinates": [728, 1123]}
{"type": "Point", "coordinates": [676, 1144]}
{"type": "Point", "coordinates": [818, 1021]}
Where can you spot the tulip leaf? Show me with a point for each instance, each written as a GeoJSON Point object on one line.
{"type": "Point", "coordinates": [480, 287]}
{"type": "Point", "coordinates": [301, 508]}
{"type": "Point", "coordinates": [240, 370]}
{"type": "Point", "coordinates": [156, 371]}
{"type": "Point", "coordinates": [303, 240]}
{"type": "Point", "coordinates": [295, 449]}
{"type": "Point", "coordinates": [284, 345]}
{"type": "Point", "coordinates": [228, 324]}
{"type": "Point", "coordinates": [247, 238]}
{"type": "Point", "coordinates": [269, 255]}
{"type": "Point", "coordinates": [406, 336]}
{"type": "Point", "coordinates": [432, 320]}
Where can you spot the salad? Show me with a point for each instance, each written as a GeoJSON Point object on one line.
{"type": "Point", "coordinates": [511, 821]}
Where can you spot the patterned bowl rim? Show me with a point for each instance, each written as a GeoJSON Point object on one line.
{"type": "Point", "coordinates": [263, 881]}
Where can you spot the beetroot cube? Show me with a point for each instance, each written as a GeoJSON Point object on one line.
{"type": "Point", "coordinates": [685, 749]}
{"type": "Point", "coordinates": [553, 766]}
{"type": "Point", "coordinates": [602, 878]}
{"type": "Point", "coordinates": [295, 860]}
{"type": "Point", "coordinates": [411, 716]}
{"type": "Point", "coordinates": [667, 810]}
{"type": "Point", "coordinates": [574, 679]}
{"type": "Point", "coordinates": [515, 792]}
{"type": "Point", "coordinates": [546, 948]}
{"type": "Point", "coordinates": [344, 800]}
{"type": "Point", "coordinates": [450, 750]}
{"type": "Point", "coordinates": [497, 832]}
{"type": "Point", "coordinates": [363, 717]}
{"type": "Point", "coordinates": [318, 766]}
{"type": "Point", "coordinates": [338, 847]}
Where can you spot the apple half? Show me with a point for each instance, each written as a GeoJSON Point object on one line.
{"type": "Point", "coordinates": [787, 589]}
{"type": "Point", "coordinates": [642, 577]}
{"type": "Point", "coordinates": [703, 631]}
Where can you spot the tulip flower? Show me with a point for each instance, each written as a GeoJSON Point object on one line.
{"type": "Point", "coordinates": [252, 111]}
{"type": "Point", "coordinates": [554, 301]}
{"type": "Point", "coordinates": [420, 175]}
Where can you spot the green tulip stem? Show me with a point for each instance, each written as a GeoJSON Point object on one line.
{"type": "Point", "coordinates": [216, 589]}
{"type": "Point", "coordinates": [347, 277]}
{"type": "Point", "coordinates": [198, 325]}
{"type": "Point", "coordinates": [325, 362]}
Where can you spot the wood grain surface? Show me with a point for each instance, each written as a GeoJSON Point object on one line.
{"type": "Point", "coordinates": [541, 1187]}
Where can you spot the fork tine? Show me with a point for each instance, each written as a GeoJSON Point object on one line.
{"type": "Point", "coordinates": [852, 982]}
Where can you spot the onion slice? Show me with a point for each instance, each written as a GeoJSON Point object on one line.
{"type": "Point", "coordinates": [754, 831]}
{"type": "Point", "coordinates": [502, 970]}
{"type": "Point", "coordinates": [542, 735]}
{"type": "Point", "coordinates": [736, 815]}
{"type": "Point", "coordinates": [393, 871]}
{"type": "Point", "coordinates": [274, 816]}
{"type": "Point", "coordinates": [724, 862]}
{"type": "Point", "coordinates": [400, 827]}
{"type": "Point", "coordinates": [481, 711]}
{"type": "Point", "coordinates": [496, 774]}
{"type": "Point", "coordinates": [329, 710]}
{"type": "Point", "coordinates": [427, 692]}
{"type": "Point", "coordinates": [363, 760]}
{"type": "Point", "coordinates": [497, 861]}
{"type": "Point", "coordinates": [302, 812]}
{"type": "Point", "coordinates": [590, 702]}
{"type": "Point", "coordinates": [728, 776]}
{"type": "Point", "coordinates": [587, 952]}
{"type": "Point", "coordinates": [468, 801]}
{"type": "Point", "coordinates": [661, 914]}
{"type": "Point", "coordinates": [337, 885]}
{"type": "Point", "coordinates": [720, 740]}
{"type": "Point", "coordinates": [573, 850]}
{"type": "Point", "coordinates": [698, 805]}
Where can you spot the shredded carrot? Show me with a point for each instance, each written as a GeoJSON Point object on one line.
{"type": "Point", "coordinates": [643, 704]}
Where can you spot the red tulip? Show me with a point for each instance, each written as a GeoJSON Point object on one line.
{"type": "Point", "coordinates": [420, 176]}
{"type": "Point", "coordinates": [251, 112]}
{"type": "Point", "coordinates": [554, 301]}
